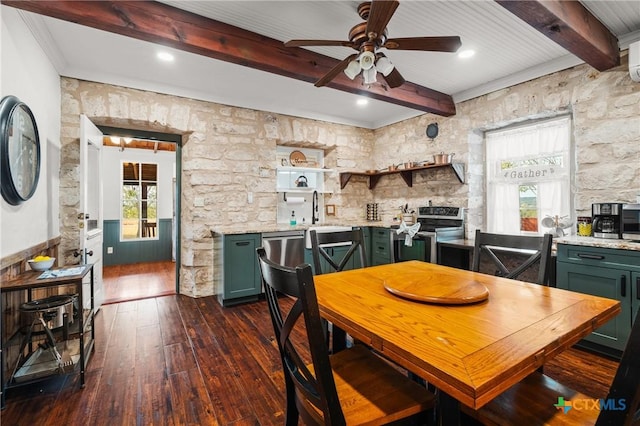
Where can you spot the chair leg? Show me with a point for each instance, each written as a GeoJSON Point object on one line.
{"type": "Point", "coordinates": [291, 411]}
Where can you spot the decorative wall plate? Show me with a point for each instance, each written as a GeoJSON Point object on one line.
{"type": "Point", "coordinates": [297, 158]}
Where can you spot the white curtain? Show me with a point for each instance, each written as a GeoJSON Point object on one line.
{"type": "Point", "coordinates": [517, 147]}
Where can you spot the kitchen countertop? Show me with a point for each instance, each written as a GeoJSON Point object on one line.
{"type": "Point", "coordinates": [281, 227]}
{"type": "Point", "coordinates": [599, 242]}
{"type": "Point", "coordinates": [569, 239]}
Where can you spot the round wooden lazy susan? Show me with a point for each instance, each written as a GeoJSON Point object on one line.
{"type": "Point", "coordinates": [427, 288]}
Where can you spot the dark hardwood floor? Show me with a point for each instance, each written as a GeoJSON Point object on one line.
{"type": "Point", "coordinates": [138, 281]}
{"type": "Point", "coordinates": [177, 360]}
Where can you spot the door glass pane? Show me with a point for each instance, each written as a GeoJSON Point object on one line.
{"type": "Point", "coordinates": [150, 172]}
{"type": "Point", "coordinates": [139, 200]}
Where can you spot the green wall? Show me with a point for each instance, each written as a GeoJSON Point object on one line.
{"type": "Point", "coordinates": [125, 252]}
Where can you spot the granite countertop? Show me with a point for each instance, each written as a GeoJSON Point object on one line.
{"type": "Point", "coordinates": [281, 227]}
{"type": "Point", "coordinates": [598, 242]}
{"type": "Point", "coordinates": [570, 239]}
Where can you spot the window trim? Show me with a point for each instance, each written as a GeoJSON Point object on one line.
{"type": "Point", "coordinates": [569, 157]}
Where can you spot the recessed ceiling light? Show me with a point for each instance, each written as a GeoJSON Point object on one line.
{"type": "Point", "coordinates": [362, 101]}
{"type": "Point", "coordinates": [466, 54]}
{"type": "Point", "coordinates": [165, 56]}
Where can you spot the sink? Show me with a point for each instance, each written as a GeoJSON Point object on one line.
{"type": "Point", "coordinates": [323, 228]}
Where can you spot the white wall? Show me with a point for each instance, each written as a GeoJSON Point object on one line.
{"type": "Point", "coordinates": [112, 160]}
{"type": "Point", "coordinates": [27, 73]}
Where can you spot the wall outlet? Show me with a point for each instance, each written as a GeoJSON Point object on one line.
{"type": "Point", "coordinates": [109, 250]}
{"type": "Point", "coordinates": [250, 197]}
{"type": "Point", "coordinates": [198, 202]}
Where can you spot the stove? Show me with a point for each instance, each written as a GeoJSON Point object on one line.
{"type": "Point", "coordinates": [439, 223]}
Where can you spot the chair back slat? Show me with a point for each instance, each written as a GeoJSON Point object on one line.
{"type": "Point", "coordinates": [625, 387]}
{"type": "Point", "coordinates": [321, 239]}
{"type": "Point", "coordinates": [488, 244]}
{"type": "Point", "coordinates": [317, 389]}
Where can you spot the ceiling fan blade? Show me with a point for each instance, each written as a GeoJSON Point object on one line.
{"type": "Point", "coordinates": [380, 15]}
{"type": "Point", "coordinates": [435, 44]}
{"type": "Point", "coordinates": [299, 43]}
{"type": "Point", "coordinates": [394, 79]}
{"type": "Point", "coordinates": [335, 71]}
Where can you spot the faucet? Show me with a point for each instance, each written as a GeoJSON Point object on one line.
{"type": "Point", "coordinates": [314, 208]}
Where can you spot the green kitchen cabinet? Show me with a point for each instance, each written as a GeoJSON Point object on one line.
{"type": "Point", "coordinates": [610, 273]}
{"type": "Point", "coordinates": [336, 254]}
{"type": "Point", "coordinates": [366, 232]}
{"type": "Point", "coordinates": [241, 272]}
{"type": "Point", "coordinates": [380, 246]}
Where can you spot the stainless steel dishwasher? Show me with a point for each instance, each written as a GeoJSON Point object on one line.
{"type": "Point", "coordinates": [284, 247]}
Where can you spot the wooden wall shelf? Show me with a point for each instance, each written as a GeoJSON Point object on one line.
{"type": "Point", "coordinates": [406, 174]}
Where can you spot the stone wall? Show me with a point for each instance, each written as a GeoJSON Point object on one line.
{"type": "Point", "coordinates": [605, 111]}
{"type": "Point", "coordinates": [225, 153]}
{"type": "Point", "coordinates": [226, 148]}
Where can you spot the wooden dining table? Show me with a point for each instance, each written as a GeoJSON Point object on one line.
{"type": "Point", "coordinates": [470, 350]}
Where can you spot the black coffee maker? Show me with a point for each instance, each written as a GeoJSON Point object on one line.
{"type": "Point", "coordinates": [606, 220]}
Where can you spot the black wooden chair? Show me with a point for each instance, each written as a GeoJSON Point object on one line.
{"type": "Point", "coordinates": [319, 243]}
{"type": "Point", "coordinates": [353, 386]}
{"type": "Point", "coordinates": [496, 246]}
{"type": "Point", "coordinates": [535, 400]}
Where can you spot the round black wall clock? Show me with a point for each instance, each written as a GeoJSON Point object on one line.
{"type": "Point", "coordinates": [432, 131]}
{"type": "Point", "coordinates": [19, 151]}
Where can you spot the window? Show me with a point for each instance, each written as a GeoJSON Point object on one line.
{"type": "Point", "coordinates": [139, 201]}
{"type": "Point", "coordinates": [528, 176]}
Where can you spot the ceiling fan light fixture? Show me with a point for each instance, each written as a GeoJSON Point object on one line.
{"type": "Point", "coordinates": [352, 70]}
{"type": "Point", "coordinates": [384, 66]}
{"type": "Point", "coordinates": [366, 60]}
{"type": "Point", "coordinates": [369, 75]}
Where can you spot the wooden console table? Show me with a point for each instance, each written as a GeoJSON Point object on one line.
{"type": "Point", "coordinates": [84, 330]}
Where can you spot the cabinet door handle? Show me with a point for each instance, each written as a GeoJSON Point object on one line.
{"type": "Point", "coordinates": [590, 256]}
{"type": "Point", "coordinates": [623, 285]}
{"type": "Point", "coordinates": [638, 288]}
{"type": "Point", "coordinates": [242, 243]}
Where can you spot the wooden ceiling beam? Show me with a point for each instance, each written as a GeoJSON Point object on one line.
{"type": "Point", "coordinates": [166, 25]}
{"type": "Point", "coordinates": [572, 26]}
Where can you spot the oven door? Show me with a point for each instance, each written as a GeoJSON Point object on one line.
{"type": "Point", "coordinates": [421, 248]}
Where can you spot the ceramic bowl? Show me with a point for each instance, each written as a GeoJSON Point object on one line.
{"type": "Point", "coordinates": [41, 265]}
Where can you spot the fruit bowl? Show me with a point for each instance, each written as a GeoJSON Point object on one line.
{"type": "Point", "coordinates": [41, 264]}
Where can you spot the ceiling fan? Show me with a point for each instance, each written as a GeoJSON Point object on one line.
{"type": "Point", "coordinates": [370, 36]}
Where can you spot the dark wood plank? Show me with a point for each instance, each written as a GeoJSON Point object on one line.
{"type": "Point", "coordinates": [174, 360]}
{"type": "Point", "coordinates": [572, 26]}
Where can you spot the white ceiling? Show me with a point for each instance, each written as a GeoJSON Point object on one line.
{"type": "Point", "coordinates": [508, 52]}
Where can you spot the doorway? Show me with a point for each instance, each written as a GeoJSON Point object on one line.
{"type": "Point", "coordinates": [142, 192]}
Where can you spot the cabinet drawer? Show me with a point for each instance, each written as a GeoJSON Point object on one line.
{"type": "Point", "coordinates": [380, 260]}
{"type": "Point", "coordinates": [601, 257]}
